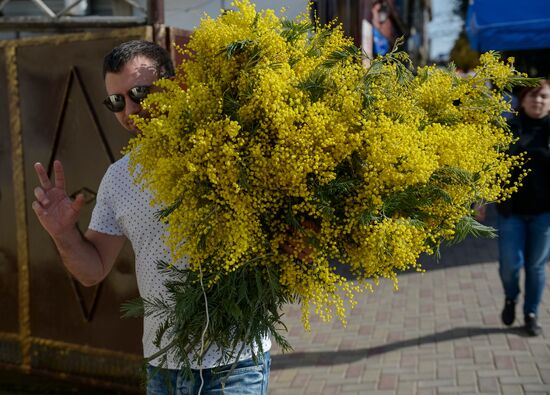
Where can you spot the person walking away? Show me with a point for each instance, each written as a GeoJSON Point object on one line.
{"type": "Point", "coordinates": [524, 219]}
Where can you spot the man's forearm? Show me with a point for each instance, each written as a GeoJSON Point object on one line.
{"type": "Point", "coordinates": [80, 257]}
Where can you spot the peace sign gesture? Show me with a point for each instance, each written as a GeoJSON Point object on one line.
{"type": "Point", "coordinates": [55, 210]}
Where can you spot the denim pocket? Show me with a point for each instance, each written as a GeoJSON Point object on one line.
{"type": "Point", "coordinates": [247, 378]}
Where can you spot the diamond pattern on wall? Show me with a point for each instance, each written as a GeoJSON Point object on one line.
{"type": "Point", "coordinates": [80, 141]}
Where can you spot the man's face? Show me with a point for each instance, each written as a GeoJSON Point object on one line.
{"type": "Point", "coordinates": [140, 71]}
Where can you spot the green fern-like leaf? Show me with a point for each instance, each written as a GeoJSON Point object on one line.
{"type": "Point", "coordinates": [337, 188]}
{"type": "Point", "coordinates": [292, 30]}
{"type": "Point", "coordinates": [315, 85]}
{"type": "Point", "coordinates": [164, 213]}
{"type": "Point", "coordinates": [367, 217]}
{"type": "Point", "coordinates": [399, 59]}
{"type": "Point", "coordinates": [230, 104]}
{"type": "Point", "coordinates": [291, 219]}
{"type": "Point", "coordinates": [351, 51]}
{"type": "Point", "coordinates": [469, 226]}
{"type": "Point", "coordinates": [453, 176]}
{"type": "Point", "coordinates": [518, 80]}
{"type": "Point", "coordinates": [254, 56]}
{"type": "Point", "coordinates": [235, 48]}
{"type": "Point", "coordinates": [133, 308]}
{"type": "Point", "coordinates": [411, 200]}
{"type": "Point", "coordinates": [317, 43]}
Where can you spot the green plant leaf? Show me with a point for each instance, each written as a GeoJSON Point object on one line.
{"type": "Point", "coordinates": [469, 226]}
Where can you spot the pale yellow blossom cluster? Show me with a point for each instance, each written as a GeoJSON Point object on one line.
{"type": "Point", "coordinates": [275, 146]}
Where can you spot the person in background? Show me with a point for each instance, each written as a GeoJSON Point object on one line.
{"type": "Point", "coordinates": [524, 219]}
{"type": "Point", "coordinates": [123, 211]}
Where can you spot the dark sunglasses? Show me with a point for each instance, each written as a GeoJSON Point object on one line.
{"type": "Point", "coordinates": [116, 102]}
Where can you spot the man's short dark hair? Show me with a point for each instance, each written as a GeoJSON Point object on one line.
{"type": "Point", "coordinates": [115, 60]}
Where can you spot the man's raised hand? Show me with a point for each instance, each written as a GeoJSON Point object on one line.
{"type": "Point", "coordinates": [55, 210]}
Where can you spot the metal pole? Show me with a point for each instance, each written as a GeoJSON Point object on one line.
{"type": "Point", "coordinates": [155, 12]}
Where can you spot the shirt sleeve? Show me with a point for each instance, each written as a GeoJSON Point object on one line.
{"type": "Point", "coordinates": [103, 216]}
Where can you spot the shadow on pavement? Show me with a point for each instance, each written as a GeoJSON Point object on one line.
{"type": "Point", "coordinates": [324, 358]}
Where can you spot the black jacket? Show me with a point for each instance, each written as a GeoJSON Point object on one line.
{"type": "Point", "coordinates": [534, 139]}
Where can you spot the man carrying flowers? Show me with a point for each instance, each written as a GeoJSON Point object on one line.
{"type": "Point", "coordinates": [123, 211]}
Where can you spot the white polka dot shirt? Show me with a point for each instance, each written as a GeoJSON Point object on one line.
{"type": "Point", "coordinates": [123, 209]}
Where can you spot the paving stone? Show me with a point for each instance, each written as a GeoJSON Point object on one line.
{"type": "Point", "coordinates": [510, 389]}
{"type": "Point", "coordinates": [488, 384]}
{"type": "Point", "coordinates": [466, 377]}
{"type": "Point", "coordinates": [435, 383]}
{"type": "Point", "coordinates": [482, 355]}
{"type": "Point", "coordinates": [455, 389]}
{"type": "Point", "coordinates": [300, 380]}
{"type": "Point", "coordinates": [387, 381]}
{"type": "Point", "coordinates": [504, 362]}
{"type": "Point", "coordinates": [531, 388]}
{"type": "Point", "coordinates": [496, 373]}
{"type": "Point", "coordinates": [416, 377]}
{"type": "Point", "coordinates": [445, 372]}
{"type": "Point", "coordinates": [314, 387]}
{"type": "Point", "coordinates": [286, 391]}
{"type": "Point", "coordinates": [545, 375]}
{"type": "Point", "coordinates": [426, 391]}
{"type": "Point", "coordinates": [358, 387]}
{"type": "Point", "coordinates": [330, 389]}
{"type": "Point", "coordinates": [520, 380]}
{"type": "Point", "coordinates": [527, 369]}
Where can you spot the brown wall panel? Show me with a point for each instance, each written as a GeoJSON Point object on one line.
{"type": "Point", "coordinates": [8, 242]}
{"type": "Point", "coordinates": [57, 84]}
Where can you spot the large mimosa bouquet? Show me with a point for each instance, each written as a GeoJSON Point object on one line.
{"type": "Point", "coordinates": [280, 151]}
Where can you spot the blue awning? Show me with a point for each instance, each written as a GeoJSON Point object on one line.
{"type": "Point", "coordinates": [506, 25]}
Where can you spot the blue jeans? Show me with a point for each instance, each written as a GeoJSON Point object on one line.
{"type": "Point", "coordinates": [247, 379]}
{"type": "Point", "coordinates": [524, 242]}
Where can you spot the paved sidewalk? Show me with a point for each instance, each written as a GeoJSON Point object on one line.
{"type": "Point", "coordinates": [440, 333]}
